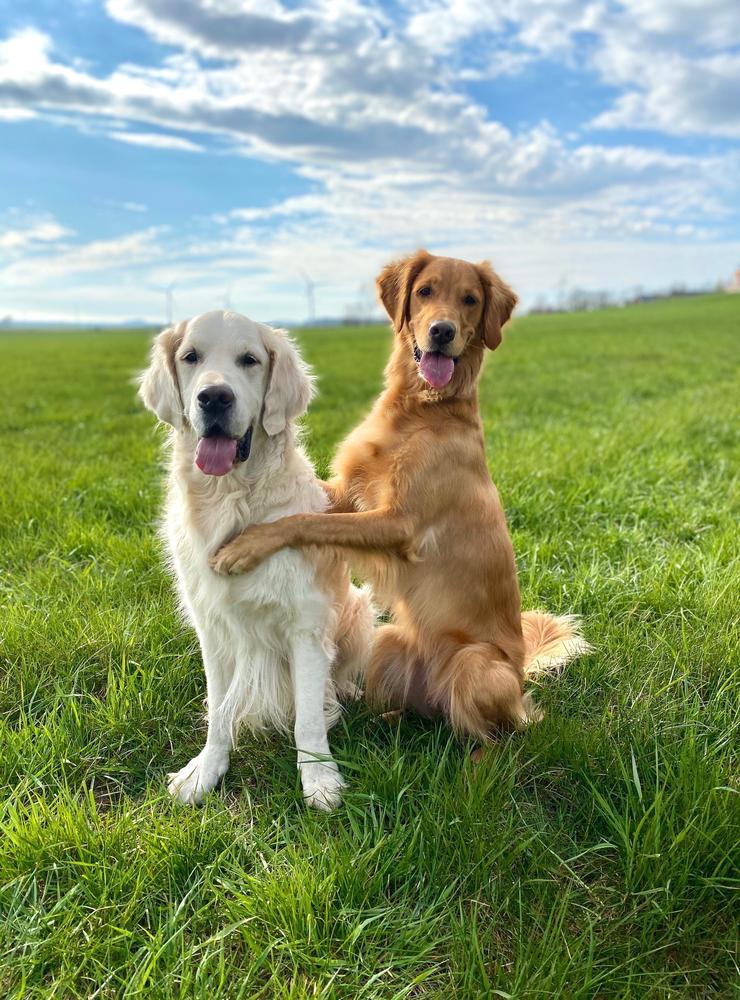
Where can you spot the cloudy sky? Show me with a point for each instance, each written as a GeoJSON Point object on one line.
{"type": "Point", "coordinates": [235, 149]}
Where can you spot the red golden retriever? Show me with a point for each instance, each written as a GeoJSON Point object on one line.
{"type": "Point", "coordinates": [415, 513]}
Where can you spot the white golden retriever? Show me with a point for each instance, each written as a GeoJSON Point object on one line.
{"type": "Point", "coordinates": [281, 644]}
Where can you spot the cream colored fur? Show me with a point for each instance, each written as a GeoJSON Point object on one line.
{"type": "Point", "coordinates": [282, 644]}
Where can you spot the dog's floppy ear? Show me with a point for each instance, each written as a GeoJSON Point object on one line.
{"type": "Point", "coordinates": [290, 385]}
{"type": "Point", "coordinates": [159, 389]}
{"type": "Point", "coordinates": [498, 305]}
{"type": "Point", "coordinates": [394, 285]}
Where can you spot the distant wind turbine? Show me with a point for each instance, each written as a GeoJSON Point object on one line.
{"type": "Point", "coordinates": [169, 301]}
{"type": "Point", "coordinates": [311, 287]}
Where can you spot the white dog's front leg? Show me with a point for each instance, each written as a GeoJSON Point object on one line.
{"type": "Point", "coordinates": [320, 777]}
{"type": "Point", "coordinates": [201, 775]}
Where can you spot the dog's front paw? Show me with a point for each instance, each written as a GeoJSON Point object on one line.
{"type": "Point", "coordinates": [246, 551]}
{"type": "Point", "coordinates": [234, 557]}
{"type": "Point", "coordinates": [199, 777]}
{"type": "Point", "coordinates": [322, 785]}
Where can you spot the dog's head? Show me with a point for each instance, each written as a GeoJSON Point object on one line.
{"type": "Point", "coordinates": [222, 377]}
{"type": "Point", "coordinates": [441, 307]}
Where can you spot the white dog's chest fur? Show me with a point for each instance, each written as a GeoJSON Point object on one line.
{"type": "Point", "coordinates": [258, 615]}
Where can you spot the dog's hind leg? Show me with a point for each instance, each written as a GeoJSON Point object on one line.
{"type": "Point", "coordinates": [354, 642]}
{"type": "Point", "coordinates": [203, 772]}
{"type": "Point", "coordinates": [397, 674]}
{"type": "Point", "coordinates": [479, 690]}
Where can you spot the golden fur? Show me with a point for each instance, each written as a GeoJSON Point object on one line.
{"type": "Point", "coordinates": [414, 509]}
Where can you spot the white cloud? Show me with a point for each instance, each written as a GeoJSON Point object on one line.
{"type": "Point", "coordinates": [544, 28]}
{"type": "Point", "coordinates": [217, 28]}
{"type": "Point", "coordinates": [671, 92]}
{"type": "Point", "coordinates": [675, 61]}
{"type": "Point", "coordinates": [97, 255]}
{"type": "Point", "coordinates": [32, 234]}
{"type": "Point", "coordinates": [353, 105]}
{"type": "Point", "coordinates": [709, 24]}
{"type": "Point", "coordinates": [15, 114]}
{"type": "Point", "coordinates": [137, 207]}
{"type": "Point", "coordinates": [156, 140]}
{"type": "Point", "coordinates": [24, 55]}
{"type": "Point", "coordinates": [439, 26]}
{"type": "Point", "coordinates": [336, 81]}
{"type": "Point", "coordinates": [346, 120]}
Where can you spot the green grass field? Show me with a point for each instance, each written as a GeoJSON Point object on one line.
{"type": "Point", "coordinates": [594, 855]}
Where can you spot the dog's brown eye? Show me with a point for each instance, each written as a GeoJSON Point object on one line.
{"type": "Point", "coordinates": [424, 291]}
{"type": "Point", "coordinates": [470, 300]}
{"type": "Point", "coordinates": [191, 358]}
{"type": "Point", "coordinates": [247, 360]}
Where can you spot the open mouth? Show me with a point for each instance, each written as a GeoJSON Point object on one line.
{"type": "Point", "coordinates": [217, 453]}
{"type": "Point", "coordinates": [436, 368]}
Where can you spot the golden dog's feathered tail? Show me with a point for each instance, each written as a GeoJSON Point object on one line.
{"type": "Point", "coordinates": [550, 642]}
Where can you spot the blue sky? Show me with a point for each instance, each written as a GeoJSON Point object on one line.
{"type": "Point", "coordinates": [233, 149]}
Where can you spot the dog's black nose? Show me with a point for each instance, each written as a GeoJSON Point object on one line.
{"type": "Point", "coordinates": [441, 332]}
{"type": "Point", "coordinates": [215, 398]}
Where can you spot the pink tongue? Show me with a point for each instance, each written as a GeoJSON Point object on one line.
{"type": "Point", "coordinates": [436, 368]}
{"type": "Point", "coordinates": [215, 455]}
